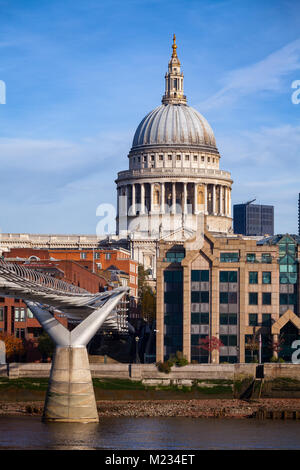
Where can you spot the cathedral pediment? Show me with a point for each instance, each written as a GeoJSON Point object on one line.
{"type": "Point", "coordinates": [181, 234]}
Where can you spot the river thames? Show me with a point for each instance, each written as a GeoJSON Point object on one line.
{"type": "Point", "coordinates": [149, 433]}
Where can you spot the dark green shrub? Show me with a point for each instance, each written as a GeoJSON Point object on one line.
{"type": "Point", "coordinates": [164, 367]}
{"type": "Point", "coordinates": [180, 359]}
{"type": "Point", "coordinates": [172, 360]}
{"type": "Point", "coordinates": [45, 346]}
{"type": "Point", "coordinates": [182, 362]}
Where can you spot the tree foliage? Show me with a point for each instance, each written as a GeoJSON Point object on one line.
{"type": "Point", "coordinates": [147, 297]}
{"type": "Point", "coordinates": [178, 360]}
{"type": "Point", "coordinates": [45, 345]}
{"type": "Point", "coordinates": [278, 345]}
{"type": "Point", "coordinates": [252, 343]}
{"type": "Point", "coordinates": [14, 346]}
{"type": "Point", "coordinates": [210, 344]}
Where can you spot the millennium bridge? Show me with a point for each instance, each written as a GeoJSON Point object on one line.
{"type": "Point", "coordinates": [70, 396]}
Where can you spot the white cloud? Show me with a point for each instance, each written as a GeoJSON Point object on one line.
{"type": "Point", "coordinates": [264, 76]}
{"type": "Point", "coordinates": [270, 147]}
{"type": "Point", "coordinates": [57, 185]}
{"type": "Point", "coordinates": [56, 156]}
{"type": "Point", "coordinates": [265, 165]}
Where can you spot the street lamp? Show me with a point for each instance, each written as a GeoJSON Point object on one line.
{"type": "Point", "coordinates": [137, 358]}
{"type": "Point", "coordinates": [259, 349]}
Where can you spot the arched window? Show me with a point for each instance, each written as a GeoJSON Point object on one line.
{"type": "Point", "coordinates": [156, 195]}
{"type": "Point", "coordinates": [33, 258]}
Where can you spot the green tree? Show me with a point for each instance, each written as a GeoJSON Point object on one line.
{"type": "Point", "coordinates": [147, 297]}
{"type": "Point", "coordinates": [252, 344]}
{"type": "Point", "coordinates": [45, 346]}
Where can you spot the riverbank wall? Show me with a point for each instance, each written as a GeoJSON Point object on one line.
{"type": "Point", "coordinates": [149, 374]}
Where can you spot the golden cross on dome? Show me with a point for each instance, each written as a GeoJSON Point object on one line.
{"type": "Point", "coordinates": [174, 46]}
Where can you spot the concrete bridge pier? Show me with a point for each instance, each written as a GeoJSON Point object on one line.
{"type": "Point", "coordinates": [70, 396]}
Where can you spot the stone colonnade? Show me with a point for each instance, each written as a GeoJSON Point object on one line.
{"type": "Point", "coordinates": [193, 198]}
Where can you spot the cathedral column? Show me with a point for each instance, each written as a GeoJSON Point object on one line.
{"type": "Point", "coordinates": [118, 195]}
{"type": "Point", "coordinates": [173, 198]}
{"type": "Point", "coordinates": [205, 199]}
{"type": "Point", "coordinates": [195, 198]}
{"type": "Point", "coordinates": [185, 198]}
{"type": "Point", "coordinates": [151, 197]}
{"type": "Point", "coordinates": [219, 208]}
{"type": "Point", "coordinates": [162, 202]}
{"type": "Point", "coordinates": [229, 201]}
{"type": "Point", "coordinates": [118, 210]}
{"type": "Point", "coordinates": [133, 211]}
{"type": "Point", "coordinates": [214, 200]}
{"type": "Point", "coordinates": [127, 197]}
{"type": "Point", "coordinates": [221, 200]}
{"type": "Point", "coordinates": [142, 198]}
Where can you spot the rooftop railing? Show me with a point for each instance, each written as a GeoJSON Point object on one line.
{"type": "Point", "coordinates": [210, 172]}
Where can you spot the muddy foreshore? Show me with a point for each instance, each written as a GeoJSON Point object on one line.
{"type": "Point", "coordinates": [216, 408]}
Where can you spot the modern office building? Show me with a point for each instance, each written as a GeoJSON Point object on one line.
{"type": "Point", "coordinates": [232, 289]}
{"type": "Point", "coordinates": [253, 219]}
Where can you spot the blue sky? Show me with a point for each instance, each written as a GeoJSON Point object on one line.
{"type": "Point", "coordinates": [80, 75]}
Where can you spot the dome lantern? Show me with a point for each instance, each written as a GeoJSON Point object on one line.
{"type": "Point", "coordinates": [174, 80]}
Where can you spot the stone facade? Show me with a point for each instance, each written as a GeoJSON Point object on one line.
{"type": "Point", "coordinates": [54, 242]}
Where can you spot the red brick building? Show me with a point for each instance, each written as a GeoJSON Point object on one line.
{"type": "Point", "coordinates": [99, 261]}
{"type": "Point", "coordinates": [93, 270]}
{"type": "Point", "coordinates": [17, 319]}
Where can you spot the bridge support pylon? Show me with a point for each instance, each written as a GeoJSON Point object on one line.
{"type": "Point", "coordinates": [70, 396]}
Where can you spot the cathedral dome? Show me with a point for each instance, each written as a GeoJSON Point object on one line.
{"type": "Point", "coordinates": [174, 177]}
{"type": "Point", "coordinates": [174, 124]}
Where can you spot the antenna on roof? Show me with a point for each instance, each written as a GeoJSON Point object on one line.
{"type": "Point", "coordinates": [249, 202]}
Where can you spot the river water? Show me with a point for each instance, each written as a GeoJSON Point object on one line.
{"type": "Point", "coordinates": [149, 433]}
